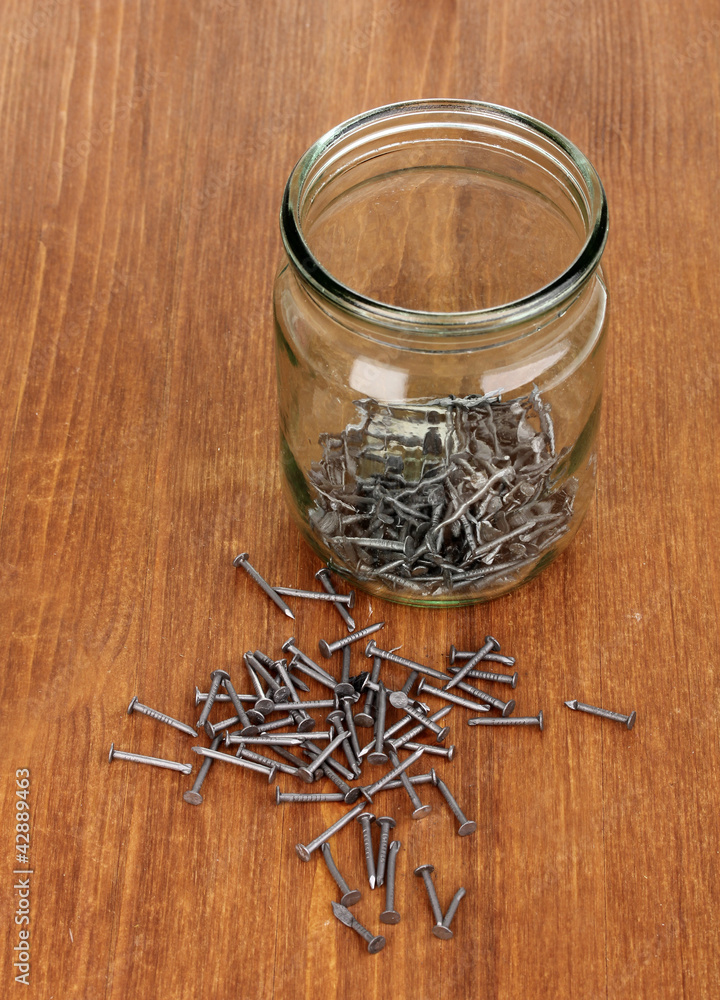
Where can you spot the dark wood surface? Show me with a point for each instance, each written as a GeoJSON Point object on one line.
{"type": "Point", "coordinates": [145, 145]}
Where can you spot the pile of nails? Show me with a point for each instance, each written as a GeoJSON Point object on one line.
{"type": "Point", "coordinates": [458, 493]}
{"type": "Point", "coordinates": [356, 702]}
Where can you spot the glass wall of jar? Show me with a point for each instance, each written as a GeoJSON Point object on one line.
{"type": "Point", "coordinates": [440, 329]}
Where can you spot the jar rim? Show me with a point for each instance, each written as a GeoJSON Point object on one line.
{"type": "Point", "coordinates": [549, 297]}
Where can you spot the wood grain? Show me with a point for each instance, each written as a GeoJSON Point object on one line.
{"type": "Point", "coordinates": [144, 150]}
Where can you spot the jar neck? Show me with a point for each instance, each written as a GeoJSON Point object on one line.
{"type": "Point", "coordinates": [426, 128]}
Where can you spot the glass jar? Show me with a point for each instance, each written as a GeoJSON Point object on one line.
{"type": "Point", "coordinates": [440, 345]}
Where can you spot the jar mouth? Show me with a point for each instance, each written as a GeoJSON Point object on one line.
{"type": "Point", "coordinates": [460, 124]}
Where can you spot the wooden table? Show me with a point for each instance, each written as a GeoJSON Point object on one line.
{"type": "Point", "coordinates": [145, 146]}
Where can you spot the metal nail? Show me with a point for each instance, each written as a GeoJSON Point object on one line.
{"type": "Point", "coordinates": [491, 644]}
{"type": "Point", "coordinates": [386, 824]}
{"type": "Point", "coordinates": [481, 675]}
{"type": "Point", "coordinates": [136, 706]}
{"type": "Point", "coordinates": [425, 872]}
{"type": "Point", "coordinates": [372, 650]}
{"type": "Point", "coordinates": [282, 797]}
{"type": "Point", "coordinates": [137, 758]}
{"type": "Point", "coordinates": [242, 560]}
{"type": "Point", "coordinates": [444, 931]}
{"type": "Point", "coordinates": [399, 741]}
{"type": "Point", "coordinates": [390, 915]}
{"type": "Point", "coordinates": [201, 696]}
{"type": "Point", "coordinates": [456, 654]}
{"type": "Point", "coordinates": [245, 754]}
{"type": "Point", "coordinates": [518, 721]}
{"type": "Point", "coordinates": [192, 795]}
{"type": "Point", "coordinates": [248, 728]}
{"type": "Point", "coordinates": [282, 723]}
{"type": "Point", "coordinates": [263, 704]}
{"type": "Point", "coordinates": [346, 705]}
{"type": "Point", "coordinates": [627, 720]}
{"type": "Point", "coordinates": [329, 648]}
{"type": "Point", "coordinates": [371, 790]}
{"type": "Point", "coordinates": [399, 700]}
{"type": "Point", "coordinates": [365, 718]}
{"type": "Point", "coordinates": [467, 826]}
{"type": "Point", "coordinates": [344, 688]}
{"type": "Point", "coordinates": [307, 772]}
{"type": "Point", "coordinates": [366, 819]}
{"type": "Point", "coordinates": [259, 664]}
{"type": "Point", "coordinates": [504, 707]}
{"type": "Point", "coordinates": [304, 660]}
{"type": "Point", "coordinates": [336, 718]}
{"type": "Point", "coordinates": [375, 943]}
{"type": "Point", "coordinates": [378, 755]}
{"type": "Point", "coordinates": [305, 851]}
{"type": "Point", "coordinates": [349, 896]}
{"type": "Point", "coordinates": [323, 576]}
{"type": "Point", "coordinates": [425, 688]}
{"type": "Point", "coordinates": [313, 595]}
{"type": "Point", "coordinates": [434, 751]}
{"type": "Point", "coordinates": [414, 779]}
{"type": "Point", "coordinates": [420, 809]}
{"type": "Point", "coordinates": [238, 761]}
{"type": "Point", "coordinates": [217, 677]}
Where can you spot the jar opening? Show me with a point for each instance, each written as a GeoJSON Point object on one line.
{"type": "Point", "coordinates": [444, 216]}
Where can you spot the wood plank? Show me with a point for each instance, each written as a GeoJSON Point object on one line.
{"type": "Point", "coordinates": [145, 146]}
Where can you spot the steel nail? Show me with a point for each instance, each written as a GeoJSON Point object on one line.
{"type": "Point", "coordinates": [323, 576]}
{"type": "Point", "coordinates": [238, 761]}
{"type": "Point", "coordinates": [386, 824]}
{"type": "Point", "coordinates": [378, 755]}
{"type": "Point", "coordinates": [444, 931]}
{"type": "Point", "coordinates": [349, 896]}
{"type": "Point", "coordinates": [242, 560]}
{"type": "Point", "coordinates": [137, 758]}
{"type": "Point", "coordinates": [518, 721]}
{"type": "Point", "coordinates": [305, 851]}
{"type": "Point", "coordinates": [313, 595]}
{"type": "Point", "coordinates": [425, 872]}
{"type": "Point", "coordinates": [366, 819]}
{"type": "Point", "coordinates": [456, 654]}
{"type": "Point", "coordinates": [627, 720]}
{"type": "Point", "coordinates": [481, 675]}
{"type": "Point", "coordinates": [192, 795]}
{"type": "Point", "coordinates": [371, 790]}
{"type": "Point", "coordinates": [217, 677]}
{"type": "Point", "coordinates": [375, 943]}
{"type": "Point", "coordinates": [399, 700]}
{"type": "Point", "coordinates": [425, 688]}
{"type": "Point", "coordinates": [491, 644]}
{"type": "Point", "coordinates": [329, 648]}
{"type": "Point", "coordinates": [136, 706]}
{"type": "Point", "coordinates": [467, 826]}
{"type": "Point", "coordinates": [420, 810]}
{"type": "Point", "coordinates": [390, 915]}
{"type": "Point", "coordinates": [283, 797]}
